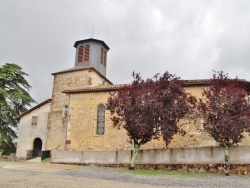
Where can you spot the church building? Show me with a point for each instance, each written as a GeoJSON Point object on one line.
{"type": "Point", "coordinates": [76, 119]}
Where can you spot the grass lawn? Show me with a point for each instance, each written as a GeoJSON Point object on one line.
{"type": "Point", "coordinates": [47, 160]}
{"type": "Point", "coordinates": [165, 173]}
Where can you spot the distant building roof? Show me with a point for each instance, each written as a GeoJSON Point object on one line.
{"type": "Point", "coordinates": [34, 108]}
{"type": "Point", "coordinates": [89, 40]}
{"type": "Point", "coordinates": [197, 82]}
{"type": "Point", "coordinates": [79, 68]}
{"type": "Point", "coordinates": [205, 82]}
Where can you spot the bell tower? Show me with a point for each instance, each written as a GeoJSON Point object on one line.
{"type": "Point", "coordinates": [92, 53]}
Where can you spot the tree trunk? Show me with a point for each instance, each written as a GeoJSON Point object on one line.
{"type": "Point", "coordinates": [226, 165]}
{"type": "Point", "coordinates": [134, 157]}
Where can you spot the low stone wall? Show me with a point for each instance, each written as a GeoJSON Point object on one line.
{"type": "Point", "coordinates": [23, 154]}
{"type": "Point", "coordinates": [202, 155]}
{"type": "Point", "coordinates": [204, 159]}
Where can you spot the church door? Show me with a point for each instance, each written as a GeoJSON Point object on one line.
{"type": "Point", "coordinates": [37, 148]}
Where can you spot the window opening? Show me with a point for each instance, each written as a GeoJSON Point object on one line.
{"type": "Point", "coordinates": [102, 56]}
{"type": "Point", "coordinates": [80, 54]}
{"type": "Point", "coordinates": [100, 119]}
{"type": "Point", "coordinates": [34, 120]}
{"type": "Point", "coordinates": [105, 58]}
{"type": "Point", "coordinates": [86, 53]}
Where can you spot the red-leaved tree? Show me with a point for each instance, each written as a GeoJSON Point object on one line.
{"type": "Point", "coordinates": [226, 112]}
{"type": "Point", "coordinates": [148, 108]}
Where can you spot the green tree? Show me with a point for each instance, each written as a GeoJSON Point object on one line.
{"type": "Point", "coordinates": [7, 146]}
{"type": "Point", "coordinates": [14, 100]}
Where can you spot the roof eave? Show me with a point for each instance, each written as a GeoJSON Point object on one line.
{"type": "Point", "coordinates": [74, 70]}
{"type": "Point", "coordinates": [91, 39]}
{"type": "Point", "coordinates": [34, 108]}
{"type": "Point", "coordinates": [89, 90]}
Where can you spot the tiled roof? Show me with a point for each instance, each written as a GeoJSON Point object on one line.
{"type": "Point", "coordinates": [206, 82]}
{"type": "Point", "coordinates": [79, 68]}
{"type": "Point", "coordinates": [188, 83]}
{"type": "Point", "coordinates": [95, 88]}
{"type": "Point", "coordinates": [35, 107]}
{"type": "Point", "coordinates": [197, 82]}
{"type": "Point", "coordinates": [116, 87]}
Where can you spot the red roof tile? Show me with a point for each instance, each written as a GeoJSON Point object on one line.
{"type": "Point", "coordinates": [95, 88]}
{"type": "Point", "coordinates": [188, 83]}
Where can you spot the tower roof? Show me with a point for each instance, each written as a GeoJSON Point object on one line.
{"type": "Point", "coordinates": [89, 40]}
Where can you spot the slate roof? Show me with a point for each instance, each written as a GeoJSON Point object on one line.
{"type": "Point", "coordinates": [89, 40]}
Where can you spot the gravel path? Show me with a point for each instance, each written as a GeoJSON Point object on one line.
{"type": "Point", "coordinates": [194, 180]}
{"type": "Point", "coordinates": [94, 177]}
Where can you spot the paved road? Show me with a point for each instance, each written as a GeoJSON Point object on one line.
{"type": "Point", "coordinates": [41, 175]}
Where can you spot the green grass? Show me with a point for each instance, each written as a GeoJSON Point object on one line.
{"type": "Point", "coordinates": [47, 160]}
{"type": "Point", "coordinates": [164, 173]}
{"type": "Point", "coordinates": [76, 168]}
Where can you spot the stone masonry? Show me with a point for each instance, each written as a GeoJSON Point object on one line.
{"type": "Point", "coordinates": [62, 81]}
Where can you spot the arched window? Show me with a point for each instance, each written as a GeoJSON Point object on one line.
{"type": "Point", "coordinates": [80, 54]}
{"type": "Point", "coordinates": [86, 53]}
{"type": "Point", "coordinates": [102, 56]}
{"type": "Point", "coordinates": [100, 119]}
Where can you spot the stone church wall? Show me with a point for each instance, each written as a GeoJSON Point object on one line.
{"type": "Point", "coordinates": [63, 81]}
{"type": "Point", "coordinates": [82, 127]}
{"type": "Point", "coordinates": [28, 132]}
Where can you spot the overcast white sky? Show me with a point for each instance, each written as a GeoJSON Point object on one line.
{"type": "Point", "coordinates": [186, 37]}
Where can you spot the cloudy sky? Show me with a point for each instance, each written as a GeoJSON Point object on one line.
{"type": "Point", "coordinates": [189, 38]}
